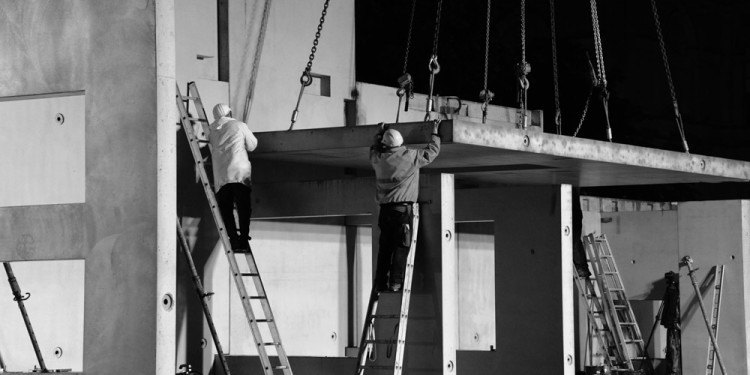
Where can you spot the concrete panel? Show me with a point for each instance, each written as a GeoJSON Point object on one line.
{"type": "Point", "coordinates": [476, 285]}
{"type": "Point", "coordinates": [715, 233]}
{"type": "Point", "coordinates": [305, 278]}
{"type": "Point", "coordinates": [108, 49]}
{"type": "Point", "coordinates": [196, 41]}
{"type": "Point", "coordinates": [533, 278]}
{"type": "Point", "coordinates": [291, 30]}
{"type": "Point", "coordinates": [43, 150]}
{"type": "Point", "coordinates": [485, 154]}
{"type": "Point", "coordinates": [56, 313]}
{"type": "Point", "coordinates": [645, 246]}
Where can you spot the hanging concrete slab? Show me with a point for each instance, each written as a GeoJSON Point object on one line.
{"type": "Point", "coordinates": [485, 154]}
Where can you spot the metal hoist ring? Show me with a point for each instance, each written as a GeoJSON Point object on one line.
{"type": "Point", "coordinates": [433, 65]}
{"type": "Point", "coordinates": [306, 78]}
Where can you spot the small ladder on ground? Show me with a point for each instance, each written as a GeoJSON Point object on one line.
{"type": "Point", "coordinates": [392, 317]}
{"type": "Point", "coordinates": [249, 302]}
{"type": "Point", "coordinates": [614, 304]}
{"type": "Point", "coordinates": [718, 283]}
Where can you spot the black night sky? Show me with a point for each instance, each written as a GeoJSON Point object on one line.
{"type": "Point", "coordinates": [707, 42]}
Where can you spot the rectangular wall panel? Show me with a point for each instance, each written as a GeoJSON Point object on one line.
{"type": "Point", "coordinates": [43, 149]}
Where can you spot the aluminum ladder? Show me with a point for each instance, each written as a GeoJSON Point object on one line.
{"type": "Point", "coordinates": [598, 322]}
{"type": "Point", "coordinates": [615, 307]}
{"type": "Point", "coordinates": [383, 320]}
{"type": "Point", "coordinates": [188, 122]}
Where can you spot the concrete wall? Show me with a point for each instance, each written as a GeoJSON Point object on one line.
{"type": "Point", "coordinates": [649, 243]}
{"type": "Point", "coordinates": [109, 51]}
{"type": "Point", "coordinates": [290, 33]}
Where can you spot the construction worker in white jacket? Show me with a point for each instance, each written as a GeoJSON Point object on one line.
{"type": "Point", "coordinates": [230, 141]}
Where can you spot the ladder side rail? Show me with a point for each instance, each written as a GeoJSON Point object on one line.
{"type": "Point", "coordinates": [234, 268]}
{"type": "Point", "coordinates": [202, 295]}
{"type": "Point", "coordinates": [718, 285]}
{"type": "Point", "coordinates": [609, 308]}
{"type": "Point", "coordinates": [406, 293]}
{"type": "Point", "coordinates": [635, 329]}
{"type": "Point", "coordinates": [371, 307]}
{"type": "Point", "coordinates": [266, 307]}
{"type": "Point", "coordinates": [590, 308]}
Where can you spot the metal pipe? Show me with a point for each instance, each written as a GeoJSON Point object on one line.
{"type": "Point", "coordinates": [687, 261]}
{"type": "Point", "coordinates": [18, 297]}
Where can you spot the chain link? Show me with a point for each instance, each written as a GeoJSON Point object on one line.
{"type": "Point", "coordinates": [314, 48]}
{"type": "Point", "coordinates": [558, 112]}
{"type": "Point", "coordinates": [585, 110]}
{"type": "Point", "coordinates": [668, 72]}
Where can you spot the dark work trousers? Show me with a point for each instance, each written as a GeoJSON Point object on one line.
{"type": "Point", "coordinates": [395, 222]}
{"type": "Point", "coordinates": [228, 196]}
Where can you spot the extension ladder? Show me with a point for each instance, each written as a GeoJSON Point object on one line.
{"type": "Point", "coordinates": [239, 276]}
{"type": "Point", "coordinates": [597, 321]}
{"type": "Point", "coordinates": [396, 312]}
{"type": "Point", "coordinates": [615, 315]}
{"type": "Point", "coordinates": [718, 283]}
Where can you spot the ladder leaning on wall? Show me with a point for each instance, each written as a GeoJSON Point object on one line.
{"type": "Point", "coordinates": [248, 301]}
{"type": "Point", "coordinates": [386, 317]}
{"type": "Point", "coordinates": [608, 307]}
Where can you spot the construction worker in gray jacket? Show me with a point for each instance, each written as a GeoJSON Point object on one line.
{"type": "Point", "coordinates": [397, 185]}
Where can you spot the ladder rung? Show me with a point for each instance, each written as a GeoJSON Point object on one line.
{"type": "Point", "coordinates": [186, 98]}
{"type": "Point", "coordinates": [386, 316]}
{"type": "Point", "coordinates": [257, 297]}
{"type": "Point", "coordinates": [196, 119]}
{"type": "Point", "coordinates": [281, 367]}
{"type": "Point", "coordinates": [627, 324]}
{"type": "Point", "coordinates": [271, 343]}
{"type": "Point", "coordinates": [264, 320]}
{"type": "Point", "coordinates": [249, 274]}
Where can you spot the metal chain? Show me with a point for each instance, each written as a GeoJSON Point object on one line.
{"type": "Point", "coordinates": [433, 65]}
{"type": "Point", "coordinates": [598, 45]}
{"type": "Point", "coordinates": [487, 45]}
{"type": "Point", "coordinates": [437, 28]}
{"type": "Point", "coordinates": [523, 31]}
{"type": "Point", "coordinates": [523, 69]}
{"type": "Point", "coordinates": [486, 95]}
{"type": "Point", "coordinates": [408, 38]}
{"type": "Point", "coordinates": [672, 93]}
{"type": "Point", "coordinates": [317, 36]}
{"type": "Point", "coordinates": [306, 78]}
{"type": "Point", "coordinates": [558, 112]}
{"type": "Point", "coordinates": [585, 110]}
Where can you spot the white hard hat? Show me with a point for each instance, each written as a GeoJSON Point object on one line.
{"type": "Point", "coordinates": [392, 138]}
{"type": "Point", "coordinates": [221, 110]}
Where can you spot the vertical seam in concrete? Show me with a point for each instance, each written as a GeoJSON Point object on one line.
{"type": "Point", "coordinates": [745, 243]}
{"type": "Point", "coordinates": [166, 118]}
{"type": "Point", "coordinates": [449, 252]}
{"type": "Point", "coordinates": [566, 265]}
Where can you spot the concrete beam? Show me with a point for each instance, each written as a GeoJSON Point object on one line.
{"type": "Point", "coordinates": [279, 200]}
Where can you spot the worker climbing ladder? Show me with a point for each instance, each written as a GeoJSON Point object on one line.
{"type": "Point", "coordinates": [718, 283]}
{"type": "Point", "coordinates": [611, 306]}
{"type": "Point", "coordinates": [239, 276]}
{"type": "Point", "coordinates": [378, 317]}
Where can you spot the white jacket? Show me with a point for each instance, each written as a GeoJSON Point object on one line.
{"type": "Point", "coordinates": [230, 140]}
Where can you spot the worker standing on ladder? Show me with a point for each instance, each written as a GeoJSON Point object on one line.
{"type": "Point", "coordinates": [230, 141]}
{"type": "Point", "coordinates": [397, 184]}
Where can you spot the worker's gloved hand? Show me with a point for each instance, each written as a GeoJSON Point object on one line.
{"type": "Point", "coordinates": [436, 127]}
{"type": "Point", "coordinates": [383, 128]}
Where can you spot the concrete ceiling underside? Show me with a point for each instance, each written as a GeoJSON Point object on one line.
{"type": "Point", "coordinates": [486, 154]}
